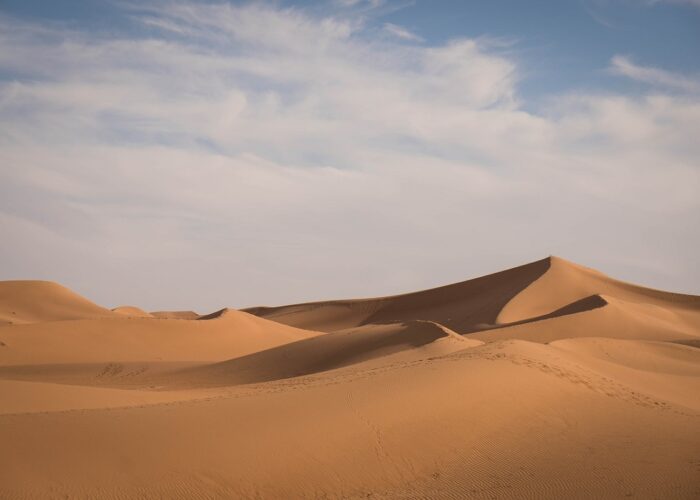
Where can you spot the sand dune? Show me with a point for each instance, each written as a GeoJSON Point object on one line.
{"type": "Point", "coordinates": [534, 292]}
{"type": "Point", "coordinates": [132, 311]}
{"type": "Point", "coordinates": [359, 346]}
{"type": "Point", "coordinates": [616, 319]}
{"type": "Point", "coordinates": [459, 306]}
{"type": "Point", "coordinates": [124, 339]}
{"type": "Point", "coordinates": [549, 380]}
{"type": "Point", "coordinates": [566, 282]}
{"type": "Point", "coordinates": [175, 314]}
{"type": "Point", "coordinates": [36, 301]}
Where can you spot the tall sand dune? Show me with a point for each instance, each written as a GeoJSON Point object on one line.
{"type": "Point", "coordinates": [459, 306]}
{"type": "Point", "coordinates": [537, 291]}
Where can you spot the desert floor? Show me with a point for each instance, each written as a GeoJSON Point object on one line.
{"type": "Point", "coordinates": [549, 380]}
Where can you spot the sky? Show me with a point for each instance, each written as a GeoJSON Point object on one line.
{"type": "Point", "coordinates": [197, 155]}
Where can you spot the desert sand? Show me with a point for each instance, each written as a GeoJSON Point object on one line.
{"type": "Point", "coordinates": [549, 380]}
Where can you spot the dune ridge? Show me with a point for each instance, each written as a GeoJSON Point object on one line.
{"type": "Point", "coordinates": [534, 292]}
{"type": "Point", "coordinates": [458, 306]}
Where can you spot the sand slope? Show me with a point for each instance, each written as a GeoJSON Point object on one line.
{"type": "Point", "coordinates": [509, 419]}
{"type": "Point", "coordinates": [566, 282]}
{"type": "Point", "coordinates": [365, 346]}
{"type": "Point", "coordinates": [549, 380]}
{"type": "Point", "coordinates": [37, 301]}
{"type": "Point", "coordinates": [124, 339]}
{"type": "Point", "coordinates": [616, 318]}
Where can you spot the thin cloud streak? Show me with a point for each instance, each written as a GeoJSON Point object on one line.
{"type": "Point", "coordinates": [654, 76]}
{"type": "Point", "coordinates": [401, 32]}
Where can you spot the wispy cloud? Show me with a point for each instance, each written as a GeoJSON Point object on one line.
{"type": "Point", "coordinates": [401, 32]}
{"type": "Point", "coordinates": [269, 154]}
{"type": "Point", "coordinates": [654, 76]}
{"type": "Point", "coordinates": [695, 3]}
{"type": "Point", "coordinates": [363, 4]}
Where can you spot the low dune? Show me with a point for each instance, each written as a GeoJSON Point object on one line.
{"type": "Point", "coordinates": [549, 380]}
{"type": "Point", "coordinates": [175, 314]}
{"type": "Point", "coordinates": [132, 312]}
{"type": "Point", "coordinates": [38, 301]}
{"type": "Point", "coordinates": [359, 346]}
{"type": "Point", "coordinates": [124, 339]}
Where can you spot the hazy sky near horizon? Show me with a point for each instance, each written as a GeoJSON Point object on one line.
{"type": "Point", "coordinates": [192, 154]}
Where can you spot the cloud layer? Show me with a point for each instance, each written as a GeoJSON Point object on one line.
{"type": "Point", "coordinates": [243, 155]}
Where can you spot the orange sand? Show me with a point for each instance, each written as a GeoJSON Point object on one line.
{"type": "Point", "coordinates": [549, 380]}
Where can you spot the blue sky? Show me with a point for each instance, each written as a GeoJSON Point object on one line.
{"type": "Point", "coordinates": [565, 44]}
{"type": "Point", "coordinates": [276, 152]}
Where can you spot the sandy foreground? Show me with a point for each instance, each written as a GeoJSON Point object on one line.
{"type": "Point", "coordinates": [549, 380]}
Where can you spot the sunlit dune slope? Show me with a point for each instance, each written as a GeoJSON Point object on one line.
{"type": "Point", "coordinates": [36, 301]}
{"type": "Point", "coordinates": [506, 419]}
{"type": "Point", "coordinates": [566, 282]}
{"type": "Point", "coordinates": [113, 339]}
{"type": "Point", "coordinates": [615, 318]}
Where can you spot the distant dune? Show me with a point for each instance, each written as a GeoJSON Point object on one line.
{"type": "Point", "coordinates": [132, 311]}
{"type": "Point", "coordinates": [548, 380]}
{"type": "Point", "coordinates": [175, 314]}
